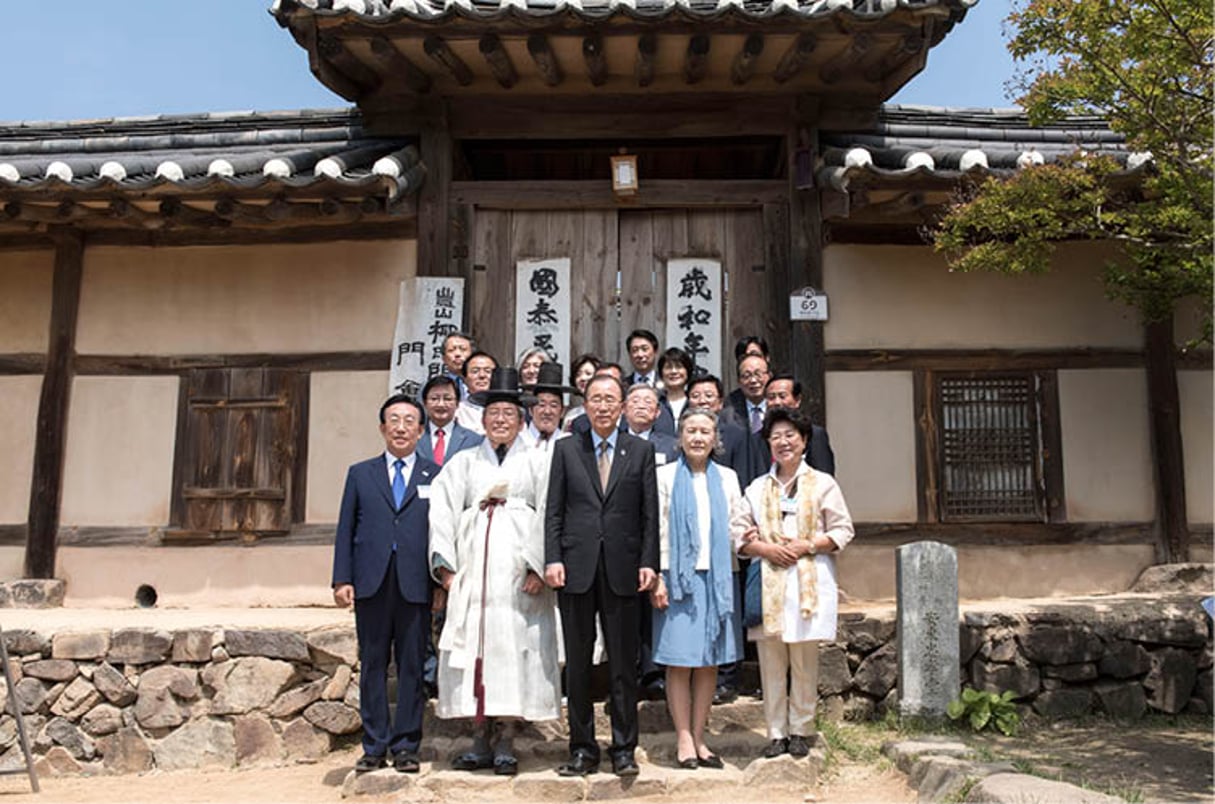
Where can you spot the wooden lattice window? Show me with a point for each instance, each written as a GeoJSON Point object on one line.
{"type": "Point", "coordinates": [240, 454]}
{"type": "Point", "coordinates": [989, 448]}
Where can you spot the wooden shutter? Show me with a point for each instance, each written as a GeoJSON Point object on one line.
{"type": "Point", "coordinates": [238, 463]}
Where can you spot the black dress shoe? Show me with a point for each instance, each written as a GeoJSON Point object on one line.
{"type": "Point", "coordinates": [711, 761]}
{"type": "Point", "coordinates": [725, 695]}
{"type": "Point", "coordinates": [369, 762]}
{"type": "Point", "coordinates": [776, 748]}
{"type": "Point", "coordinates": [406, 762]}
{"type": "Point", "coordinates": [471, 761]}
{"type": "Point", "coordinates": [656, 690]}
{"type": "Point", "coordinates": [625, 765]}
{"type": "Point", "coordinates": [799, 746]}
{"type": "Point", "coordinates": [505, 764]}
{"type": "Point", "coordinates": [579, 765]}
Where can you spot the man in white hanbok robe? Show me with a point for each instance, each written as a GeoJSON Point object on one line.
{"type": "Point", "coordinates": [487, 549]}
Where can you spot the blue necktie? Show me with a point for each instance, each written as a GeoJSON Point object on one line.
{"type": "Point", "coordinates": [398, 482]}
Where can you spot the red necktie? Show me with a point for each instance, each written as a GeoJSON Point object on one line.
{"type": "Point", "coordinates": [440, 450]}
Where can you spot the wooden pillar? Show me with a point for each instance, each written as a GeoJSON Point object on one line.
{"type": "Point", "coordinates": [433, 216]}
{"type": "Point", "coordinates": [806, 261]}
{"type": "Point", "coordinates": [1164, 406]}
{"type": "Point", "coordinates": [50, 437]}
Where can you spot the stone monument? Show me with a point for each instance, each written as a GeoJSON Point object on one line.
{"type": "Point", "coordinates": [927, 620]}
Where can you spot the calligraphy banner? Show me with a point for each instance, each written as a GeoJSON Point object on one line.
{"type": "Point", "coordinates": [542, 307]}
{"type": "Point", "coordinates": [430, 308]}
{"type": "Point", "coordinates": [694, 312]}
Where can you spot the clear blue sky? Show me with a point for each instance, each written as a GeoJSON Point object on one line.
{"type": "Point", "coordinates": [79, 59]}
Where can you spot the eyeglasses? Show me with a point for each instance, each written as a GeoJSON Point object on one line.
{"type": "Point", "coordinates": [399, 421]}
{"type": "Point", "coordinates": [753, 375]}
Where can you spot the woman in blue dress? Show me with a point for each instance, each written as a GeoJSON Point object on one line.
{"type": "Point", "coordinates": [697, 623]}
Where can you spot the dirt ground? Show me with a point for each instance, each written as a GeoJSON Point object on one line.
{"type": "Point", "coordinates": [1159, 760]}
{"type": "Point", "coordinates": [850, 783]}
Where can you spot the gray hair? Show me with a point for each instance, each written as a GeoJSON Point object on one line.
{"type": "Point", "coordinates": [641, 387]}
{"type": "Point", "coordinates": [689, 412]}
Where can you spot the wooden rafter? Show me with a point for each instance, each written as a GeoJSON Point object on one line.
{"type": "Point", "coordinates": [498, 60]}
{"type": "Point", "coordinates": [438, 50]}
{"type": "Point", "coordinates": [744, 63]}
{"type": "Point", "coordinates": [393, 62]}
{"type": "Point", "coordinates": [546, 60]}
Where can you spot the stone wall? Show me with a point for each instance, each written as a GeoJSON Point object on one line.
{"type": "Point", "coordinates": [130, 700]}
{"type": "Point", "coordinates": [1119, 657]}
{"type": "Point", "coordinates": [133, 699]}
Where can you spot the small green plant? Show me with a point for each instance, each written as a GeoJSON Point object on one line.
{"type": "Point", "coordinates": [986, 710]}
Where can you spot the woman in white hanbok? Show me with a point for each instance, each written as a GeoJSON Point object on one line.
{"type": "Point", "coordinates": [802, 520]}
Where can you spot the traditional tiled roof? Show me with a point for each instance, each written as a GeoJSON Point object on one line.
{"type": "Point", "coordinates": [318, 152]}
{"type": "Point", "coordinates": [597, 10]}
{"type": "Point", "coordinates": [927, 145]}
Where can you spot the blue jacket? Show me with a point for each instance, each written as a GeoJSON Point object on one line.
{"type": "Point", "coordinates": [369, 525]}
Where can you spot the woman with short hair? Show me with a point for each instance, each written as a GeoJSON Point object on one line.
{"type": "Point", "coordinates": [696, 616]}
{"type": "Point", "coordinates": [802, 520]}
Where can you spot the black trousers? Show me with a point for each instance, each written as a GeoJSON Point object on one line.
{"type": "Point", "coordinates": [620, 617]}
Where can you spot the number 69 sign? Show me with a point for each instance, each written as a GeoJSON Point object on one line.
{"type": "Point", "coordinates": [807, 304]}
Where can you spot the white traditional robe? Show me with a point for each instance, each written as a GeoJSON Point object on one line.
{"type": "Point", "coordinates": [521, 673]}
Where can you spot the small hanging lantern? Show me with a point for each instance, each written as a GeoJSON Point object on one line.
{"type": "Point", "coordinates": [625, 180]}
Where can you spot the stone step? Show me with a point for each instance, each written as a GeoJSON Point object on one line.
{"type": "Point", "coordinates": [744, 714]}
{"type": "Point", "coordinates": [749, 779]}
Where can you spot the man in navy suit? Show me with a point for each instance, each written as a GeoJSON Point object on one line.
{"type": "Point", "coordinates": [442, 437]}
{"type": "Point", "coordinates": [380, 565]}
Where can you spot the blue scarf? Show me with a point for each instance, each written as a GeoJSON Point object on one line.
{"type": "Point", "coordinates": [684, 534]}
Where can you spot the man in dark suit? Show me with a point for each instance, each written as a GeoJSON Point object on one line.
{"type": "Point", "coordinates": [442, 437]}
{"type": "Point", "coordinates": [600, 550]}
{"type": "Point", "coordinates": [746, 346]}
{"type": "Point", "coordinates": [784, 391]}
{"type": "Point", "coordinates": [380, 565]}
{"type": "Point", "coordinates": [642, 346]}
{"type": "Point", "coordinates": [642, 414]}
{"type": "Point", "coordinates": [753, 376]}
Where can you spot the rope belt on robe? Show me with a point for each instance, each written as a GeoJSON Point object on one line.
{"type": "Point", "coordinates": [489, 504]}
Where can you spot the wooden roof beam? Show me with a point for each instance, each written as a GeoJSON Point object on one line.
{"type": "Point", "coordinates": [743, 66]}
{"type": "Point", "coordinates": [908, 47]}
{"type": "Point", "coordinates": [545, 59]}
{"type": "Point", "coordinates": [438, 50]}
{"type": "Point", "coordinates": [395, 63]}
{"type": "Point", "coordinates": [595, 58]}
{"type": "Point", "coordinates": [647, 46]}
{"type": "Point", "coordinates": [696, 59]}
{"type": "Point", "coordinates": [498, 60]}
{"type": "Point", "coordinates": [333, 51]}
{"type": "Point", "coordinates": [794, 58]}
{"type": "Point", "coordinates": [840, 64]}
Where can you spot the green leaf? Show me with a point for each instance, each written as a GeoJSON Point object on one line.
{"type": "Point", "coordinates": [955, 709]}
{"type": "Point", "coordinates": [979, 718]}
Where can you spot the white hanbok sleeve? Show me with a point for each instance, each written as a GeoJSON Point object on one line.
{"type": "Point", "coordinates": [446, 505]}
{"type": "Point", "coordinates": [834, 519]}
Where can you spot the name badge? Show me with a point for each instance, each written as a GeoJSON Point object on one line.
{"type": "Point", "coordinates": [788, 506]}
{"type": "Point", "coordinates": [424, 492]}
{"type": "Point", "coordinates": [660, 458]}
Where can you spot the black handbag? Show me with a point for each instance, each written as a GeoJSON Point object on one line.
{"type": "Point", "coordinates": [753, 595]}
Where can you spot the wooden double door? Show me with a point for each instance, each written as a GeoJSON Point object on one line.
{"type": "Point", "coordinates": [618, 272]}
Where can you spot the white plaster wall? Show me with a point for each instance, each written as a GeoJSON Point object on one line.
{"type": "Point", "coordinates": [1107, 465]}
{"type": "Point", "coordinates": [871, 418]}
{"type": "Point", "coordinates": [118, 466]}
{"type": "Point", "coordinates": [319, 297]}
{"type": "Point", "coordinates": [1197, 439]}
{"type": "Point", "coordinates": [903, 297]}
{"type": "Point", "coordinates": [25, 299]}
{"type": "Point", "coordinates": [343, 428]}
{"type": "Point", "coordinates": [19, 414]}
